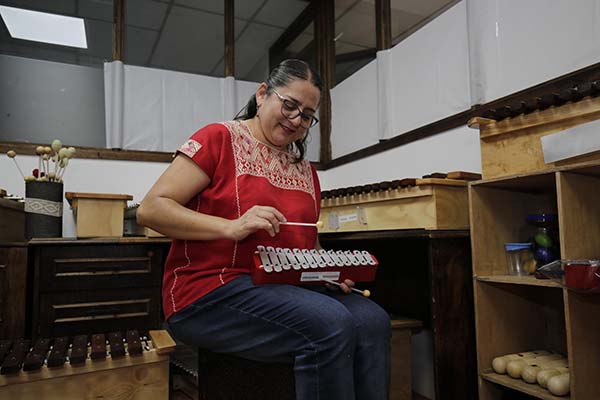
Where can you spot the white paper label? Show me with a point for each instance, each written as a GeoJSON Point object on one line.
{"type": "Point", "coordinates": [319, 276]}
{"type": "Point", "coordinates": [347, 218]}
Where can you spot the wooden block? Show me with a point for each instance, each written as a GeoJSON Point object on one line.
{"type": "Point", "coordinates": [467, 176]}
{"type": "Point", "coordinates": [98, 214]}
{"type": "Point", "coordinates": [440, 175]}
{"type": "Point", "coordinates": [162, 341]}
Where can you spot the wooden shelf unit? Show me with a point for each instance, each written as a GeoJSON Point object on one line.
{"type": "Point", "coordinates": [514, 314]}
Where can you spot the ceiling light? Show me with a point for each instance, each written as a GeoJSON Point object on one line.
{"type": "Point", "coordinates": [44, 27]}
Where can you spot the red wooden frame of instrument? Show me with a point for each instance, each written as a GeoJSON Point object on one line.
{"type": "Point", "coordinates": [332, 265]}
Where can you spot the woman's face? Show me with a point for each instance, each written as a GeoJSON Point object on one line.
{"type": "Point", "coordinates": [299, 96]}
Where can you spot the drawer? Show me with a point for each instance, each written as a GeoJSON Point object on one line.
{"type": "Point", "coordinates": [90, 267]}
{"type": "Point", "coordinates": [98, 311]}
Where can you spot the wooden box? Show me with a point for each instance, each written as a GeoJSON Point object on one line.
{"type": "Point", "coordinates": [12, 221]}
{"type": "Point", "coordinates": [98, 214]}
{"type": "Point", "coordinates": [431, 204]}
{"type": "Point", "coordinates": [513, 145]}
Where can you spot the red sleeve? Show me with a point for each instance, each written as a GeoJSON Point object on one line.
{"type": "Point", "coordinates": [317, 189]}
{"type": "Point", "coordinates": [205, 146]}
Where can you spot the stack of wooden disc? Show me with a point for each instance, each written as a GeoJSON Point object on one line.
{"type": "Point", "coordinates": [549, 370]}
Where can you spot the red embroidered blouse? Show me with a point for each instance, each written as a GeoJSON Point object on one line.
{"type": "Point", "coordinates": [244, 172]}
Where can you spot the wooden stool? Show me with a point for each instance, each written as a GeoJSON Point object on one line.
{"type": "Point", "coordinates": [225, 377]}
{"type": "Point", "coordinates": [401, 376]}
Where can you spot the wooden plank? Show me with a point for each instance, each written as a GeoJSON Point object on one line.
{"type": "Point", "coordinates": [324, 23]}
{"type": "Point", "coordinates": [451, 207]}
{"type": "Point", "coordinates": [383, 24]}
{"type": "Point", "coordinates": [518, 280]}
{"type": "Point", "coordinates": [438, 181]}
{"type": "Point", "coordinates": [584, 344]}
{"type": "Point", "coordinates": [521, 386]}
{"type": "Point", "coordinates": [135, 382]}
{"type": "Point", "coordinates": [100, 196]}
{"type": "Point", "coordinates": [97, 153]}
{"type": "Point", "coordinates": [405, 323]}
{"type": "Point", "coordinates": [118, 32]}
{"type": "Point", "coordinates": [229, 38]}
{"type": "Point", "coordinates": [579, 213]}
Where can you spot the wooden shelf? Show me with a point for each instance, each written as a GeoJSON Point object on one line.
{"type": "Point", "coordinates": [521, 386]}
{"type": "Point", "coordinates": [518, 280]}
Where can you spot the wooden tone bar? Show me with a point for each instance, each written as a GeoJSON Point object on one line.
{"type": "Point", "coordinates": [143, 376]}
{"type": "Point", "coordinates": [431, 204]}
{"type": "Point", "coordinates": [513, 145]}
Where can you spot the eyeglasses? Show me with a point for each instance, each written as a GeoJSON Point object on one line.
{"type": "Point", "coordinates": [290, 110]}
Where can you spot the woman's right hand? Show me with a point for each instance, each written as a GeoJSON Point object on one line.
{"type": "Point", "coordinates": [258, 217]}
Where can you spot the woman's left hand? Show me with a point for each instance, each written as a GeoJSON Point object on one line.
{"type": "Point", "coordinates": [345, 286]}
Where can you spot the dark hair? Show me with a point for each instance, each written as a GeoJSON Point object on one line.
{"type": "Point", "coordinates": [282, 75]}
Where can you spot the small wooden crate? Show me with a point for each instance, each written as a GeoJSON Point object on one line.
{"type": "Point", "coordinates": [431, 204]}
{"type": "Point", "coordinates": [12, 220]}
{"type": "Point", "coordinates": [98, 214]}
{"type": "Point", "coordinates": [513, 146]}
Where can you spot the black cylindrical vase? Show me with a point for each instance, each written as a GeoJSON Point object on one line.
{"type": "Point", "coordinates": [43, 209]}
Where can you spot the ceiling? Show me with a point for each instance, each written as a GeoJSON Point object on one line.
{"type": "Point", "coordinates": [188, 35]}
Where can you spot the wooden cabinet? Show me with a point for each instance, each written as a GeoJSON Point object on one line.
{"type": "Point", "coordinates": [426, 275]}
{"type": "Point", "coordinates": [85, 286]}
{"type": "Point", "coordinates": [13, 290]}
{"type": "Point", "coordinates": [515, 313]}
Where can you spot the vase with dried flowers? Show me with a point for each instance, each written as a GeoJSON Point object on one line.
{"type": "Point", "coordinates": [44, 190]}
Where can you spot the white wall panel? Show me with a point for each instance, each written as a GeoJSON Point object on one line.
{"type": "Point", "coordinates": [430, 72]}
{"type": "Point", "coordinates": [517, 44]}
{"type": "Point", "coordinates": [354, 112]}
{"type": "Point", "coordinates": [454, 150]}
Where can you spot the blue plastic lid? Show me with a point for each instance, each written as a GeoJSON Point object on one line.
{"type": "Point", "coordinates": [517, 246]}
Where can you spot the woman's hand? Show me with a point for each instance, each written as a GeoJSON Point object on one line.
{"type": "Point", "coordinates": [258, 217]}
{"type": "Point", "coordinates": [345, 286]}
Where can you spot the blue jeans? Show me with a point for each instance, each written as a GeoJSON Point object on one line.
{"type": "Point", "coordinates": [338, 343]}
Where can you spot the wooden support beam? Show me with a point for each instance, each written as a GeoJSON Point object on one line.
{"type": "Point", "coordinates": [383, 24]}
{"type": "Point", "coordinates": [356, 55]}
{"type": "Point", "coordinates": [118, 32]}
{"type": "Point", "coordinates": [325, 46]}
{"type": "Point", "coordinates": [290, 34]}
{"type": "Point", "coordinates": [229, 38]}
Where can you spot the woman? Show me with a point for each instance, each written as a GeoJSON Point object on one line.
{"type": "Point", "coordinates": [228, 191]}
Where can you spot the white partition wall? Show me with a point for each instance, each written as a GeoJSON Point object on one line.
{"type": "Point", "coordinates": [430, 72]}
{"type": "Point", "coordinates": [517, 44]}
{"type": "Point", "coordinates": [421, 80]}
{"type": "Point", "coordinates": [354, 109]}
{"type": "Point", "coordinates": [153, 109]}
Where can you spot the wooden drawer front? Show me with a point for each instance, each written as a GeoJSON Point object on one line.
{"type": "Point", "coordinates": [99, 311]}
{"type": "Point", "coordinates": [98, 267]}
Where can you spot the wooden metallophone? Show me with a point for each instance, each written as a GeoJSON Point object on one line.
{"type": "Point", "coordinates": [295, 266]}
{"type": "Point", "coordinates": [112, 366]}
